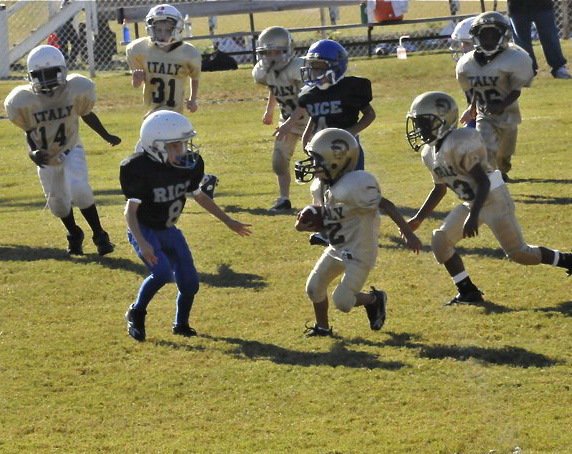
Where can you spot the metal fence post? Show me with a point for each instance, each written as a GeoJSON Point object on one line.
{"type": "Point", "coordinates": [4, 45]}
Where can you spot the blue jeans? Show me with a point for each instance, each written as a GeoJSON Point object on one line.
{"type": "Point", "coordinates": [545, 22]}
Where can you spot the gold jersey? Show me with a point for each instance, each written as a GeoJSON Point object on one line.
{"type": "Point", "coordinates": [508, 71]}
{"type": "Point", "coordinates": [351, 216]}
{"type": "Point", "coordinates": [166, 72]}
{"type": "Point", "coordinates": [52, 120]}
{"type": "Point", "coordinates": [461, 150]}
{"type": "Point", "coordinates": [285, 85]}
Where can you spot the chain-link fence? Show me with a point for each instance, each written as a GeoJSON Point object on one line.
{"type": "Point", "coordinates": [427, 23]}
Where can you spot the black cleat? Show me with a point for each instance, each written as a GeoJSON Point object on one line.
{"type": "Point", "coordinates": [281, 205]}
{"type": "Point", "coordinates": [104, 246]}
{"type": "Point", "coordinates": [208, 184]}
{"type": "Point", "coordinates": [317, 239]}
{"type": "Point", "coordinates": [473, 296]}
{"type": "Point", "coordinates": [75, 242]}
{"type": "Point", "coordinates": [376, 310]}
{"type": "Point", "coordinates": [314, 331]}
{"type": "Point", "coordinates": [184, 330]}
{"type": "Point", "coordinates": [506, 178]}
{"type": "Point", "coordinates": [135, 323]}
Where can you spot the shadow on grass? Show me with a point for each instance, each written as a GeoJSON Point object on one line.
{"type": "Point", "coordinates": [488, 306]}
{"type": "Point", "coordinates": [505, 356]}
{"type": "Point", "coordinates": [541, 180]}
{"type": "Point", "coordinates": [177, 346]}
{"type": "Point", "coordinates": [338, 355]}
{"type": "Point", "coordinates": [258, 211]}
{"type": "Point", "coordinates": [564, 308]}
{"type": "Point", "coordinates": [535, 199]}
{"type": "Point", "coordinates": [224, 277]}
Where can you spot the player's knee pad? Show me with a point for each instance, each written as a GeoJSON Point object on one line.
{"type": "Point", "coordinates": [441, 246]}
{"type": "Point", "coordinates": [316, 290]}
{"type": "Point", "coordinates": [343, 298]}
{"type": "Point", "coordinates": [83, 197]}
{"type": "Point", "coordinates": [525, 255]}
{"type": "Point", "coordinates": [59, 206]}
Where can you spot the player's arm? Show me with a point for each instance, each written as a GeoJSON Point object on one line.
{"type": "Point", "coordinates": [210, 205]}
{"type": "Point", "coordinates": [93, 121]}
{"type": "Point", "coordinates": [192, 103]}
{"type": "Point", "coordinates": [367, 118]}
{"type": "Point", "coordinates": [145, 247]}
{"type": "Point", "coordinates": [268, 116]}
{"type": "Point", "coordinates": [40, 157]}
{"type": "Point", "coordinates": [387, 207]}
{"type": "Point", "coordinates": [471, 226]}
{"type": "Point", "coordinates": [432, 200]}
{"type": "Point", "coordinates": [308, 132]}
{"type": "Point", "coordinates": [286, 127]}
{"type": "Point", "coordinates": [137, 77]}
{"type": "Point", "coordinates": [498, 107]}
{"type": "Point", "coordinates": [470, 113]}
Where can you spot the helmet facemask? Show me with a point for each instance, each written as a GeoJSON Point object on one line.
{"type": "Point", "coordinates": [47, 80]}
{"type": "Point", "coordinates": [491, 33]}
{"type": "Point", "coordinates": [422, 130]}
{"type": "Point", "coordinates": [163, 32]}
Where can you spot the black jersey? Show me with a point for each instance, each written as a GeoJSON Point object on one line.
{"type": "Point", "coordinates": [161, 188]}
{"type": "Point", "coordinates": [338, 106]}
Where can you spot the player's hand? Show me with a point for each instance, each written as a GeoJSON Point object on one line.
{"type": "Point", "coordinates": [39, 157]}
{"type": "Point", "coordinates": [239, 227]}
{"type": "Point", "coordinates": [268, 118]}
{"type": "Point", "coordinates": [148, 253]}
{"type": "Point", "coordinates": [113, 140]}
{"type": "Point", "coordinates": [471, 227]}
{"type": "Point", "coordinates": [137, 77]}
{"type": "Point", "coordinates": [192, 105]}
{"type": "Point", "coordinates": [495, 107]}
{"type": "Point", "coordinates": [413, 242]}
{"type": "Point", "coordinates": [468, 115]}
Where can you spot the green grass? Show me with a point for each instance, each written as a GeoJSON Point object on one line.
{"type": "Point", "coordinates": [448, 380]}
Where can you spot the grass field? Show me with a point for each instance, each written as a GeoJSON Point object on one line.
{"type": "Point", "coordinates": [477, 379]}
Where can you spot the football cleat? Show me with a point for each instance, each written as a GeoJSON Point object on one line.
{"type": "Point", "coordinates": [473, 296]}
{"type": "Point", "coordinates": [377, 310]}
{"type": "Point", "coordinates": [75, 242]}
{"type": "Point", "coordinates": [281, 204]}
{"type": "Point", "coordinates": [208, 184]}
{"type": "Point", "coordinates": [314, 331]}
{"type": "Point", "coordinates": [184, 330]}
{"type": "Point", "coordinates": [317, 239]}
{"type": "Point", "coordinates": [104, 246]}
{"type": "Point", "coordinates": [135, 323]}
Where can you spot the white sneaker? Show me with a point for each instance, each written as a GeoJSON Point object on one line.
{"type": "Point", "coordinates": [562, 73]}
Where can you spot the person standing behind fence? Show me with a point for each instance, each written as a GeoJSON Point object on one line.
{"type": "Point", "coordinates": [164, 64]}
{"type": "Point", "coordinates": [48, 110]}
{"type": "Point", "coordinates": [492, 77]}
{"type": "Point", "coordinates": [522, 14]}
{"type": "Point", "coordinates": [279, 69]}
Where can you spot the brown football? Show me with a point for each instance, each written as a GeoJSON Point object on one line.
{"type": "Point", "coordinates": [310, 219]}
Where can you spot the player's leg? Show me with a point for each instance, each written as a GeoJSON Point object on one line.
{"type": "Point", "coordinates": [443, 244]}
{"type": "Point", "coordinates": [281, 156]}
{"type": "Point", "coordinates": [507, 147]}
{"type": "Point", "coordinates": [187, 280]}
{"type": "Point", "coordinates": [324, 271]}
{"type": "Point", "coordinates": [501, 219]}
{"type": "Point", "coordinates": [75, 168]}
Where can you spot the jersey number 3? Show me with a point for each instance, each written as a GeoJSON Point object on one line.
{"type": "Point", "coordinates": [159, 92]}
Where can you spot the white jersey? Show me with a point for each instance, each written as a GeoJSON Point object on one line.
{"type": "Point", "coordinates": [351, 216]}
{"type": "Point", "coordinates": [461, 150]}
{"type": "Point", "coordinates": [52, 121]}
{"type": "Point", "coordinates": [285, 85]}
{"type": "Point", "coordinates": [508, 71]}
{"type": "Point", "coordinates": [167, 73]}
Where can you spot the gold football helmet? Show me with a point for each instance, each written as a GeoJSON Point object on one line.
{"type": "Point", "coordinates": [431, 117]}
{"type": "Point", "coordinates": [274, 48]}
{"type": "Point", "coordinates": [333, 153]}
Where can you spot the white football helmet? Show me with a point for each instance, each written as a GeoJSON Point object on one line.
{"type": "Point", "coordinates": [332, 151]}
{"type": "Point", "coordinates": [47, 69]}
{"type": "Point", "coordinates": [431, 117]}
{"type": "Point", "coordinates": [497, 26]}
{"type": "Point", "coordinates": [461, 39]}
{"type": "Point", "coordinates": [274, 39]}
{"type": "Point", "coordinates": [163, 127]}
{"type": "Point", "coordinates": [168, 13]}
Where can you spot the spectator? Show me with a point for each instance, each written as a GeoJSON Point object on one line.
{"type": "Point", "coordinates": [68, 42]}
{"type": "Point", "coordinates": [522, 14]}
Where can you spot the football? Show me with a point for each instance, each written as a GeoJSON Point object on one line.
{"type": "Point", "coordinates": [310, 219]}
